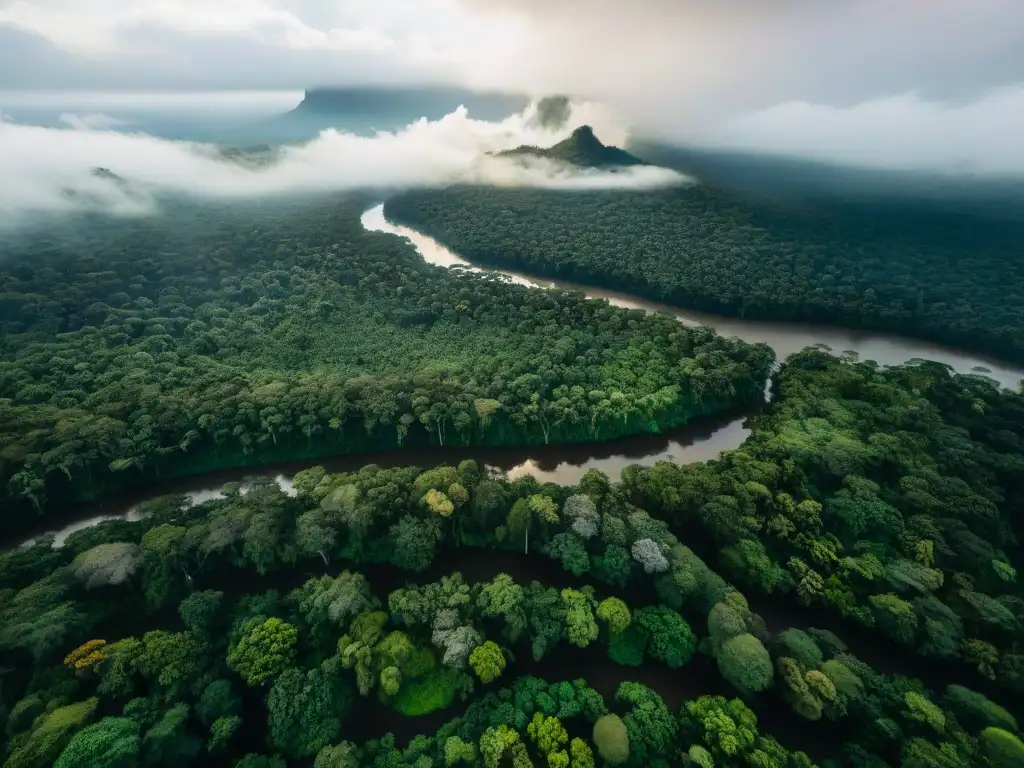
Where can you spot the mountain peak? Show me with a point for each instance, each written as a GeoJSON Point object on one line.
{"type": "Point", "coordinates": [585, 133]}
{"type": "Point", "coordinates": [581, 148]}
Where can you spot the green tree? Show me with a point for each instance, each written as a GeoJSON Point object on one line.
{"type": "Point", "coordinates": [615, 613]}
{"type": "Point", "coordinates": [568, 549]}
{"type": "Point", "coordinates": [523, 513]}
{"type": "Point", "coordinates": [547, 733]}
{"type": "Point", "coordinates": [728, 729]}
{"type": "Point", "coordinates": [495, 742]}
{"type": "Point", "coordinates": [200, 612]}
{"type": "Point", "coordinates": [168, 742]}
{"type": "Point", "coordinates": [305, 709]}
{"type": "Point", "coordinates": [581, 629]}
{"type": "Point", "coordinates": [438, 503]}
{"type": "Point", "coordinates": [171, 659]}
{"type": "Point", "coordinates": [1001, 749]}
{"type": "Point", "coordinates": [922, 710]}
{"type": "Point", "coordinates": [977, 712]}
{"type": "Point", "coordinates": [503, 598]}
{"type": "Point", "coordinates": [629, 646]}
{"type": "Point", "coordinates": [314, 535]}
{"type": "Point", "coordinates": [415, 542]}
{"type": "Point", "coordinates": [265, 648]}
{"type": "Point", "coordinates": [895, 616]}
{"type": "Point", "coordinates": [670, 638]}
{"type": "Point", "coordinates": [745, 663]}
{"type": "Point", "coordinates": [724, 623]}
{"type": "Point", "coordinates": [113, 742]}
{"type": "Point", "coordinates": [253, 760]}
{"type": "Point", "coordinates": [221, 731]}
{"type": "Point", "coordinates": [799, 646]}
{"type": "Point", "coordinates": [50, 734]}
{"type": "Point", "coordinates": [611, 739]}
{"type": "Point", "coordinates": [217, 700]}
{"type": "Point", "coordinates": [458, 751]}
{"type": "Point", "coordinates": [344, 755]}
{"type": "Point", "coordinates": [580, 754]}
{"type": "Point", "coordinates": [487, 661]}
{"type": "Point", "coordinates": [651, 727]}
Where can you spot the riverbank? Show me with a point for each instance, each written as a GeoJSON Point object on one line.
{"type": "Point", "coordinates": [563, 464]}
{"type": "Point", "coordinates": [785, 338]}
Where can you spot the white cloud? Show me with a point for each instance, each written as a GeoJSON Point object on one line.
{"type": "Point", "coordinates": [905, 132]}
{"type": "Point", "coordinates": [104, 26]}
{"type": "Point", "coordinates": [94, 121]}
{"type": "Point", "coordinates": [914, 83]}
{"type": "Point", "coordinates": [233, 102]}
{"type": "Point", "coordinates": [748, 73]}
{"type": "Point", "coordinates": [42, 164]}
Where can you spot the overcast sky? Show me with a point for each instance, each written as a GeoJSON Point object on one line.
{"type": "Point", "coordinates": [929, 81]}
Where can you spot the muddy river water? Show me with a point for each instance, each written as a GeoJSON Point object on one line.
{"type": "Point", "coordinates": [565, 464]}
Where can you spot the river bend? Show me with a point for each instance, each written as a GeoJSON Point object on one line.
{"type": "Point", "coordinates": [566, 464]}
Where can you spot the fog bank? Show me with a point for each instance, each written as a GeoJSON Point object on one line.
{"type": "Point", "coordinates": [49, 170]}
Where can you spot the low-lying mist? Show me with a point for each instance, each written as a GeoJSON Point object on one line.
{"type": "Point", "coordinates": [53, 170]}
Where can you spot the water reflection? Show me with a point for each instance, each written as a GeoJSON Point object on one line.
{"type": "Point", "coordinates": [566, 464]}
{"type": "Point", "coordinates": [561, 464]}
{"type": "Point", "coordinates": [784, 338]}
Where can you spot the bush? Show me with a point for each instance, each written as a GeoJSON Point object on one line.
{"type": "Point", "coordinates": [423, 695]}
{"type": "Point", "coordinates": [976, 712]}
{"type": "Point", "coordinates": [724, 622]}
{"type": "Point", "coordinates": [799, 646]}
{"type": "Point", "coordinates": [745, 663]}
{"type": "Point", "coordinates": [628, 647]}
{"type": "Point", "coordinates": [700, 757]}
{"type": "Point", "coordinates": [1001, 749]}
{"type": "Point", "coordinates": [611, 739]}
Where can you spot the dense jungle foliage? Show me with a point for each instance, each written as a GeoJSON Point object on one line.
{"type": "Point", "coordinates": [254, 630]}
{"type": "Point", "coordinates": [892, 497]}
{"type": "Point", "coordinates": [400, 617]}
{"type": "Point", "coordinates": [926, 271]}
{"type": "Point", "coordinates": [214, 336]}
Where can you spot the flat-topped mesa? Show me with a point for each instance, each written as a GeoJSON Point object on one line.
{"type": "Point", "coordinates": [348, 99]}
{"type": "Point", "coordinates": [581, 148]}
{"type": "Point", "coordinates": [407, 102]}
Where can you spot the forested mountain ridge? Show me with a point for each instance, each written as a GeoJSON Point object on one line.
{"type": "Point", "coordinates": [581, 148]}
{"type": "Point", "coordinates": [213, 336]}
{"type": "Point", "coordinates": [910, 269]}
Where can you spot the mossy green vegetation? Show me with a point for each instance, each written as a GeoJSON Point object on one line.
{"type": "Point", "coordinates": [728, 613]}
{"type": "Point", "coordinates": [428, 693]}
{"type": "Point", "coordinates": [890, 497]}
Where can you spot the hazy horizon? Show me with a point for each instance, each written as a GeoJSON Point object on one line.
{"type": "Point", "coordinates": [922, 84]}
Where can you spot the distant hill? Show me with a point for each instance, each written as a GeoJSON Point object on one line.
{"type": "Point", "coordinates": [111, 191]}
{"type": "Point", "coordinates": [582, 148]}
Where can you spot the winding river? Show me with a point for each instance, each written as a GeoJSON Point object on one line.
{"type": "Point", "coordinates": [784, 338]}
{"type": "Point", "coordinates": [565, 464]}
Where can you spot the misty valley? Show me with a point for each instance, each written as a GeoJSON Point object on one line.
{"type": "Point", "coordinates": [385, 431]}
